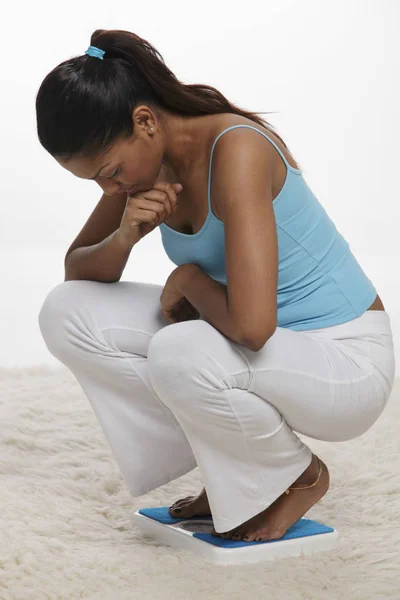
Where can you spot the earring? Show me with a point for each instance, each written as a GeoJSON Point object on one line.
{"type": "Point", "coordinates": [151, 128]}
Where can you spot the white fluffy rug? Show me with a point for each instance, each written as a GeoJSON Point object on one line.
{"type": "Point", "coordinates": [66, 514]}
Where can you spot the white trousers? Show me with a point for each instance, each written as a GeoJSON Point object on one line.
{"type": "Point", "coordinates": [170, 397]}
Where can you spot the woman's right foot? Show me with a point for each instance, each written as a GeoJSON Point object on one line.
{"type": "Point", "coordinates": [193, 506]}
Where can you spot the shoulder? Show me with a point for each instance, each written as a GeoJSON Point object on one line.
{"type": "Point", "coordinates": [243, 161]}
{"type": "Point", "coordinates": [243, 140]}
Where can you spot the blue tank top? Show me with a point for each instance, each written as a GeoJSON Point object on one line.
{"type": "Point", "coordinates": [320, 283]}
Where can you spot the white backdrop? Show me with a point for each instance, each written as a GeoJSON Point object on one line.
{"type": "Point", "coordinates": [329, 71]}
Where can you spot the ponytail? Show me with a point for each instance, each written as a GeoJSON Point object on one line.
{"type": "Point", "coordinates": [84, 105]}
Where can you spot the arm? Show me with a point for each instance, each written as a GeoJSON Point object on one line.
{"type": "Point", "coordinates": [210, 298]}
{"type": "Point", "coordinates": [246, 309]}
{"type": "Point", "coordinates": [104, 261]}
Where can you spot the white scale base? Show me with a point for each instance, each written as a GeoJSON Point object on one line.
{"type": "Point", "coordinates": [304, 537]}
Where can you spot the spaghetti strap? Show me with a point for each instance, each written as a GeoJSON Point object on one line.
{"type": "Point", "coordinates": [262, 133]}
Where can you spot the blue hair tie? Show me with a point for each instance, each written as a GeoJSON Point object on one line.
{"type": "Point", "coordinates": [96, 52]}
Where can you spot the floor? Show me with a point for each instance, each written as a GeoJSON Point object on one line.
{"type": "Point", "coordinates": [67, 529]}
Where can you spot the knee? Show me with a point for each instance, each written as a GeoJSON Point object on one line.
{"type": "Point", "coordinates": [169, 351]}
{"type": "Point", "coordinates": [58, 304]}
{"type": "Point", "coordinates": [180, 369]}
{"type": "Point", "coordinates": [172, 359]}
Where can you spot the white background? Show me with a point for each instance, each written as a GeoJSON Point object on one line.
{"type": "Point", "coordinates": [328, 71]}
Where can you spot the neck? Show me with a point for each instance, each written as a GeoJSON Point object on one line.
{"type": "Point", "coordinates": [185, 145]}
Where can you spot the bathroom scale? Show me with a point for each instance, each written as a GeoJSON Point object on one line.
{"type": "Point", "coordinates": [303, 537]}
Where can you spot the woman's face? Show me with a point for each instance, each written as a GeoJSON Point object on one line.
{"type": "Point", "coordinates": [131, 163]}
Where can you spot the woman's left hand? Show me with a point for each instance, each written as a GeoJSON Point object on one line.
{"type": "Point", "coordinates": [174, 304]}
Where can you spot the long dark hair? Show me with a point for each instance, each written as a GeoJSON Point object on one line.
{"type": "Point", "coordinates": [85, 104]}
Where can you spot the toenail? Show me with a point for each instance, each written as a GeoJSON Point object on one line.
{"type": "Point", "coordinates": [246, 537]}
{"type": "Point", "coordinates": [258, 539]}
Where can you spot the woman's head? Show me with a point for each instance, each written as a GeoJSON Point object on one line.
{"type": "Point", "coordinates": [93, 111]}
{"type": "Point", "coordinates": [130, 160]}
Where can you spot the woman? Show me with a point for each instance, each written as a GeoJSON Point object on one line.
{"type": "Point", "coordinates": [267, 326]}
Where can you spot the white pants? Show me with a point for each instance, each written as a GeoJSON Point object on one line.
{"type": "Point", "coordinates": [170, 397]}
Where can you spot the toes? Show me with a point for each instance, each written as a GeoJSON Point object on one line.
{"type": "Point", "coordinates": [228, 535]}
{"type": "Point", "coordinates": [224, 536]}
{"type": "Point", "coordinates": [238, 535]}
{"type": "Point", "coordinates": [174, 509]}
{"type": "Point", "coordinates": [181, 507]}
{"type": "Point", "coordinates": [264, 535]}
{"type": "Point", "coordinates": [177, 511]}
{"type": "Point", "coordinates": [182, 512]}
{"type": "Point", "coordinates": [261, 535]}
{"type": "Point", "coordinates": [180, 503]}
{"type": "Point", "coordinates": [249, 536]}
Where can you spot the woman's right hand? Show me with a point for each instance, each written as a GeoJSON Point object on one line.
{"type": "Point", "coordinates": [144, 211]}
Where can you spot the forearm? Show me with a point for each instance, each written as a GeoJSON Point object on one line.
{"type": "Point", "coordinates": [210, 298]}
{"type": "Point", "coordinates": [103, 262]}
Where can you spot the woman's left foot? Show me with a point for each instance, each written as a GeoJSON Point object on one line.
{"type": "Point", "coordinates": [273, 522]}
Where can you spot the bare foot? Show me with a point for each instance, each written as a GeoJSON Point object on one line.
{"type": "Point", "coordinates": [273, 522]}
{"type": "Point", "coordinates": [193, 506]}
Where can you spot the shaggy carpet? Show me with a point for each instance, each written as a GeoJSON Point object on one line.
{"type": "Point", "coordinates": [66, 513]}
